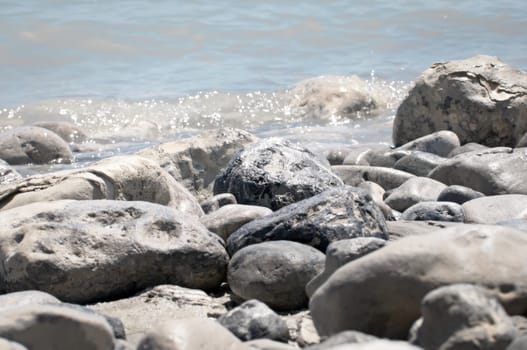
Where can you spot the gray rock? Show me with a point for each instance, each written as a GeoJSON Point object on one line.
{"type": "Point", "coordinates": [467, 147]}
{"type": "Point", "coordinates": [519, 343]}
{"type": "Point", "coordinates": [342, 252]}
{"type": "Point", "coordinates": [129, 178]}
{"type": "Point", "coordinates": [82, 251]}
{"type": "Point", "coordinates": [7, 173]}
{"type": "Point", "coordinates": [216, 202]}
{"type": "Point", "coordinates": [10, 345]}
{"type": "Point", "coordinates": [275, 273]}
{"type": "Point", "coordinates": [413, 191]}
{"type": "Point", "coordinates": [121, 344]}
{"type": "Point", "coordinates": [418, 163]}
{"type": "Point", "coordinates": [115, 323]}
{"type": "Point", "coordinates": [253, 320]}
{"type": "Point", "coordinates": [519, 224]}
{"type": "Point", "coordinates": [54, 327]}
{"type": "Point", "coordinates": [463, 316]}
{"type": "Point", "coordinates": [336, 156]}
{"type": "Point", "coordinates": [435, 211]}
{"type": "Point", "coordinates": [27, 297]}
{"type": "Point", "coordinates": [343, 338]}
{"type": "Point", "coordinates": [267, 344]}
{"type": "Point", "coordinates": [339, 213]}
{"type": "Point", "coordinates": [360, 154]}
{"type": "Point", "coordinates": [397, 277]}
{"type": "Point", "coordinates": [481, 99]}
{"type": "Point", "coordinates": [67, 131]}
{"type": "Point", "coordinates": [31, 144]}
{"type": "Point", "coordinates": [386, 158]}
{"type": "Point", "coordinates": [377, 194]}
{"type": "Point", "coordinates": [401, 228]}
{"type": "Point", "coordinates": [458, 194]}
{"type": "Point", "coordinates": [520, 323]}
{"type": "Point", "coordinates": [274, 173]}
{"type": "Point", "coordinates": [492, 209]}
{"type": "Point", "coordinates": [440, 143]}
{"type": "Point", "coordinates": [387, 178]}
{"type": "Point", "coordinates": [522, 142]}
{"type": "Point", "coordinates": [381, 344]}
{"type": "Point", "coordinates": [231, 217]}
{"type": "Point", "coordinates": [195, 161]}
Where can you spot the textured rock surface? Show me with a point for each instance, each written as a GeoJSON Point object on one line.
{"type": "Point", "coordinates": [467, 147]}
{"type": "Point", "coordinates": [195, 161]}
{"type": "Point", "coordinates": [27, 297]}
{"type": "Point", "coordinates": [481, 99]}
{"type": "Point", "coordinates": [492, 209]}
{"type": "Point", "coordinates": [413, 191]}
{"type": "Point", "coordinates": [440, 143]}
{"type": "Point", "coordinates": [396, 278]}
{"type": "Point", "coordinates": [458, 194]}
{"type": "Point", "coordinates": [7, 173]}
{"type": "Point", "coordinates": [214, 203]}
{"type": "Point", "coordinates": [275, 273]}
{"type": "Point", "coordinates": [387, 178]}
{"type": "Point", "coordinates": [84, 251]}
{"type": "Point", "coordinates": [519, 343]}
{"type": "Point", "coordinates": [339, 213]}
{"type": "Point", "coordinates": [274, 173]}
{"type": "Point", "coordinates": [267, 344]}
{"type": "Point", "coordinates": [418, 163]}
{"type": "Point", "coordinates": [434, 211]}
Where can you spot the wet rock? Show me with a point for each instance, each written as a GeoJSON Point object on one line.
{"type": "Point", "coordinates": [274, 173]}
{"type": "Point", "coordinates": [387, 178]}
{"type": "Point", "coordinates": [31, 144]}
{"type": "Point", "coordinates": [7, 173]}
{"type": "Point", "coordinates": [435, 211]}
{"type": "Point", "coordinates": [342, 338]}
{"type": "Point", "coordinates": [481, 99]}
{"type": "Point", "coordinates": [397, 277]}
{"type": "Point", "coordinates": [67, 131]}
{"type": "Point", "coordinates": [418, 163]}
{"type": "Point", "coordinates": [339, 213]}
{"type": "Point", "coordinates": [253, 320]}
{"type": "Point", "coordinates": [467, 147]}
{"type": "Point", "coordinates": [440, 143]}
{"type": "Point", "coordinates": [458, 194]}
{"type": "Point", "coordinates": [492, 209]}
{"type": "Point", "coordinates": [275, 273]}
{"type": "Point", "coordinates": [231, 217]}
{"type": "Point", "coordinates": [413, 191]}
{"type": "Point", "coordinates": [195, 161]}
{"type": "Point", "coordinates": [463, 316]}
{"type": "Point", "coordinates": [83, 251]}
{"type": "Point", "coordinates": [216, 202]}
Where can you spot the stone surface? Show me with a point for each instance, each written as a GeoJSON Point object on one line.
{"type": "Point", "coordinates": [129, 178]}
{"type": "Point", "coordinates": [336, 155]}
{"type": "Point", "coordinates": [82, 251]}
{"type": "Point", "coordinates": [27, 297]}
{"type": "Point", "coordinates": [377, 194]}
{"type": "Point", "coordinates": [340, 253]}
{"type": "Point", "coordinates": [67, 131]}
{"type": "Point", "coordinates": [345, 337]}
{"type": "Point", "coordinates": [481, 99]}
{"type": "Point", "coordinates": [418, 163]}
{"type": "Point", "coordinates": [360, 155]}
{"type": "Point", "coordinates": [275, 273]}
{"type": "Point", "coordinates": [467, 147]}
{"type": "Point", "coordinates": [231, 217]}
{"type": "Point", "coordinates": [253, 320]}
{"type": "Point", "coordinates": [458, 194]}
{"type": "Point", "coordinates": [519, 343]}
{"type": "Point", "coordinates": [402, 228]}
{"type": "Point", "coordinates": [492, 209]}
{"type": "Point", "coordinates": [387, 178]}
{"type": "Point", "coordinates": [31, 144]}
{"type": "Point", "coordinates": [274, 173]}
{"type": "Point", "coordinates": [216, 202]}
{"type": "Point", "coordinates": [55, 327]}
{"type": "Point", "coordinates": [267, 344]}
{"type": "Point", "coordinates": [306, 333]}
{"type": "Point", "coordinates": [7, 173]}
{"type": "Point", "coordinates": [463, 316]}
{"type": "Point", "coordinates": [440, 143]}
{"type": "Point", "coordinates": [434, 211]}
{"type": "Point", "coordinates": [338, 213]}
{"type": "Point", "coordinates": [385, 158]}
{"type": "Point", "coordinates": [413, 191]}
{"type": "Point", "coordinates": [10, 345]}
{"type": "Point", "coordinates": [397, 277]}
{"type": "Point", "coordinates": [195, 161]}
{"type": "Point", "coordinates": [380, 344]}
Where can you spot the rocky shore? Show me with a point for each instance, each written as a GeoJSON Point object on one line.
{"type": "Point", "coordinates": [229, 241]}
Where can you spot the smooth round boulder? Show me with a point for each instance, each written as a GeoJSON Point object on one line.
{"type": "Point", "coordinates": [276, 273]}
{"type": "Point", "coordinates": [216, 202]}
{"type": "Point", "coordinates": [467, 147]}
{"type": "Point", "coordinates": [434, 211]}
{"type": "Point", "coordinates": [440, 143]}
{"type": "Point", "coordinates": [493, 209]}
{"type": "Point", "coordinates": [413, 191]}
{"type": "Point", "coordinates": [481, 99]}
{"type": "Point", "coordinates": [395, 278]}
{"type": "Point", "coordinates": [458, 194]}
{"type": "Point", "coordinates": [274, 173]}
{"type": "Point", "coordinates": [387, 178]}
{"type": "Point", "coordinates": [418, 163]}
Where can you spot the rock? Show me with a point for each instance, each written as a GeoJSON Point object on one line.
{"type": "Point", "coordinates": [339, 213]}
{"type": "Point", "coordinates": [84, 251]}
{"type": "Point", "coordinates": [129, 178]}
{"type": "Point", "coordinates": [267, 344]}
{"type": "Point", "coordinates": [519, 343]}
{"type": "Point", "coordinates": [440, 143]}
{"type": "Point", "coordinates": [467, 147]}
{"type": "Point", "coordinates": [27, 297]}
{"type": "Point", "coordinates": [274, 173]}
{"type": "Point", "coordinates": [396, 278]}
{"type": "Point", "coordinates": [231, 217]}
{"type": "Point", "coordinates": [418, 163]}
{"type": "Point", "coordinates": [7, 173]}
{"type": "Point", "coordinates": [216, 202]}
{"type": "Point", "coordinates": [336, 156]}
{"type": "Point", "coordinates": [458, 194]}
{"type": "Point", "coordinates": [403, 228]}
{"type": "Point", "coordinates": [377, 194]}
{"type": "Point", "coordinates": [253, 320]}
{"type": "Point", "coordinates": [435, 211]}
{"type": "Point", "coordinates": [522, 142]}
{"type": "Point", "coordinates": [492, 209]}
{"type": "Point", "coordinates": [67, 131]}
{"type": "Point", "coordinates": [275, 273]}
{"type": "Point", "coordinates": [340, 253]}
{"type": "Point", "coordinates": [462, 316]}
{"type": "Point", "coordinates": [360, 155]}
{"type": "Point", "coordinates": [10, 345]}
{"type": "Point", "coordinates": [385, 158]}
{"type": "Point", "coordinates": [55, 327]}
{"type": "Point", "coordinates": [121, 344]}
{"type": "Point", "coordinates": [31, 144]}
{"type": "Point", "coordinates": [387, 178]}
{"type": "Point", "coordinates": [306, 333]}
{"type": "Point", "coordinates": [520, 324]}
{"type": "Point", "coordinates": [519, 224]}
{"type": "Point", "coordinates": [142, 312]}
{"type": "Point", "coordinates": [494, 171]}
{"type": "Point", "coordinates": [481, 99]}
{"type": "Point", "coordinates": [381, 344]}
{"type": "Point", "coordinates": [345, 337]}
{"type": "Point", "coordinates": [190, 334]}
{"type": "Point", "coordinates": [195, 161]}
{"type": "Point", "coordinates": [413, 191]}
{"type": "Point", "coordinates": [115, 323]}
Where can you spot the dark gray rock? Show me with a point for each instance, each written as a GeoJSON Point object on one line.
{"type": "Point", "coordinates": [274, 173]}
{"type": "Point", "coordinates": [413, 191]}
{"type": "Point", "coordinates": [440, 143]}
{"type": "Point", "coordinates": [387, 178]}
{"type": "Point", "coordinates": [377, 194]}
{"type": "Point", "coordinates": [336, 156]}
{"type": "Point", "coordinates": [519, 343]}
{"type": "Point", "coordinates": [434, 211]}
{"type": "Point", "coordinates": [338, 213]}
{"type": "Point", "coordinates": [253, 320]}
{"type": "Point", "coordinates": [493, 209]}
{"type": "Point", "coordinates": [275, 273]}
{"type": "Point", "coordinates": [522, 142]}
{"type": "Point", "coordinates": [216, 202]}
{"type": "Point", "coordinates": [418, 163]}
{"type": "Point", "coordinates": [342, 338]}
{"type": "Point", "coordinates": [462, 316]}
{"type": "Point", "coordinates": [467, 147]}
{"type": "Point", "coordinates": [481, 99]}
{"type": "Point", "coordinates": [67, 131]}
{"type": "Point", "coordinates": [458, 194]}
{"type": "Point", "coordinates": [7, 173]}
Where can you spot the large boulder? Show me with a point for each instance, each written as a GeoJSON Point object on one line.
{"type": "Point", "coordinates": [481, 99]}
{"type": "Point", "coordinates": [338, 213]}
{"type": "Point", "coordinates": [83, 251]}
{"type": "Point", "coordinates": [380, 293]}
{"type": "Point", "coordinates": [129, 178]}
{"type": "Point", "coordinates": [274, 173]}
{"type": "Point", "coordinates": [195, 161]}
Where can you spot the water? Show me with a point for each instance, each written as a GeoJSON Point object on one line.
{"type": "Point", "coordinates": [139, 72]}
